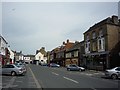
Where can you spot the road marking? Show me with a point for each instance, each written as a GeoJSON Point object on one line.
{"type": "Point", "coordinates": [71, 80]}
{"type": "Point", "coordinates": [19, 81]}
{"type": "Point", "coordinates": [10, 83]}
{"type": "Point", "coordinates": [36, 81]}
{"type": "Point", "coordinates": [93, 89]}
{"type": "Point", "coordinates": [55, 73]}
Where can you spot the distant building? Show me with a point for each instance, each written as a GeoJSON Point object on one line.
{"type": "Point", "coordinates": [41, 56]}
{"type": "Point", "coordinates": [58, 54]}
{"type": "Point", "coordinates": [29, 58]}
{"type": "Point", "coordinates": [18, 56]}
{"type": "Point", "coordinates": [74, 55]}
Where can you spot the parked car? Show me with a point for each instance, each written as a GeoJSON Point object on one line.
{"type": "Point", "coordinates": [114, 73]}
{"type": "Point", "coordinates": [73, 67]}
{"type": "Point", "coordinates": [21, 65]}
{"type": "Point", "coordinates": [54, 65]}
{"type": "Point", "coordinates": [13, 70]}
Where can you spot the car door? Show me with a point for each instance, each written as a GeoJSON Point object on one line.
{"type": "Point", "coordinates": [7, 69]}
{"type": "Point", "coordinates": [73, 67]}
{"type": "Point", "coordinates": [118, 71]}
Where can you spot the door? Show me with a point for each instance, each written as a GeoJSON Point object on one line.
{"type": "Point", "coordinates": [7, 69]}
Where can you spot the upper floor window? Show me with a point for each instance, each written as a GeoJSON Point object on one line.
{"type": "Point", "coordinates": [100, 33]}
{"type": "Point", "coordinates": [87, 38]}
{"type": "Point", "coordinates": [68, 55]}
{"type": "Point", "coordinates": [75, 53]}
{"type": "Point", "coordinates": [93, 35]}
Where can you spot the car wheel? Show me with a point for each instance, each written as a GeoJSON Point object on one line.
{"type": "Point", "coordinates": [13, 73]}
{"type": "Point", "coordinates": [80, 70]}
{"type": "Point", "coordinates": [114, 76]}
{"type": "Point", "coordinates": [68, 69]}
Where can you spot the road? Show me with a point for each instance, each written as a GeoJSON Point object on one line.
{"type": "Point", "coordinates": [61, 78]}
{"type": "Point", "coordinates": [46, 77]}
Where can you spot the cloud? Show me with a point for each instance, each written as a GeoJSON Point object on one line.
{"type": "Point", "coordinates": [30, 26]}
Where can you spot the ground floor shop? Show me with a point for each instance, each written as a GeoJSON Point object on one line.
{"type": "Point", "coordinates": [97, 61]}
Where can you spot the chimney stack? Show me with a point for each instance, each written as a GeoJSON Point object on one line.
{"type": "Point", "coordinates": [67, 40]}
{"type": "Point", "coordinates": [115, 19]}
{"type": "Point", "coordinates": [63, 43]}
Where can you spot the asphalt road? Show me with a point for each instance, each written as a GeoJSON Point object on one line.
{"type": "Point", "coordinates": [26, 81]}
{"type": "Point", "coordinates": [61, 78]}
{"type": "Point", "coordinates": [46, 77]}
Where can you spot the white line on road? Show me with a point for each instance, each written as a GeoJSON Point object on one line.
{"type": "Point", "coordinates": [71, 80]}
{"type": "Point", "coordinates": [36, 81]}
{"type": "Point", "coordinates": [55, 73]}
{"type": "Point", "coordinates": [10, 83]}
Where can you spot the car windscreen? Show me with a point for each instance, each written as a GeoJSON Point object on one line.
{"type": "Point", "coordinates": [17, 65]}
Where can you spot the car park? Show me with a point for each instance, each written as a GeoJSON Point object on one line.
{"type": "Point", "coordinates": [113, 73]}
{"type": "Point", "coordinates": [73, 67]}
{"type": "Point", "coordinates": [13, 70]}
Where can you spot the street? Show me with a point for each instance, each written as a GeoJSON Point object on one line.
{"type": "Point", "coordinates": [46, 77]}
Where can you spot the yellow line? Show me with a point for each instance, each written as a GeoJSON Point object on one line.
{"type": "Point", "coordinates": [36, 81]}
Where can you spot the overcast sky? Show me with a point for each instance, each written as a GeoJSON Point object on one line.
{"type": "Point", "coordinates": [28, 26]}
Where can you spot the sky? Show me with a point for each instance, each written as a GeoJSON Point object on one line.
{"type": "Point", "coordinates": [28, 26]}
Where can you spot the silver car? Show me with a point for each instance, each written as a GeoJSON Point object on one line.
{"type": "Point", "coordinates": [113, 73]}
{"type": "Point", "coordinates": [74, 67]}
{"type": "Point", "coordinates": [13, 70]}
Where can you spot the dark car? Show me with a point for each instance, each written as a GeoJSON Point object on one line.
{"type": "Point", "coordinates": [73, 67]}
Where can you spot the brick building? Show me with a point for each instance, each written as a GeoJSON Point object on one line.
{"type": "Point", "coordinates": [74, 55]}
{"type": "Point", "coordinates": [100, 40]}
{"type": "Point", "coordinates": [58, 54]}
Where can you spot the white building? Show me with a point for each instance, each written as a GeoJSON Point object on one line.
{"type": "Point", "coordinates": [40, 57]}
{"type": "Point", "coordinates": [3, 45]}
{"type": "Point", "coordinates": [11, 55]}
{"type": "Point", "coordinates": [27, 59]}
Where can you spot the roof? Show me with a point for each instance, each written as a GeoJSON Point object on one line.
{"type": "Point", "coordinates": [3, 39]}
{"type": "Point", "coordinates": [108, 20]}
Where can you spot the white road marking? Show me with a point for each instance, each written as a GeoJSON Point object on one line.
{"type": "Point", "coordinates": [55, 73]}
{"type": "Point", "coordinates": [10, 83]}
{"type": "Point", "coordinates": [70, 79]}
{"type": "Point", "coordinates": [19, 81]}
{"type": "Point", "coordinates": [93, 89]}
{"type": "Point", "coordinates": [36, 81]}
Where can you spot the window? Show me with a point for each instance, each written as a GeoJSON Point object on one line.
{"type": "Point", "coordinates": [100, 33]}
{"type": "Point", "coordinates": [9, 66]}
{"type": "Point", "coordinates": [68, 55]}
{"type": "Point", "coordinates": [94, 46]}
{"type": "Point", "coordinates": [87, 38]}
{"type": "Point", "coordinates": [93, 35]}
{"type": "Point", "coordinates": [75, 53]}
{"type": "Point", "coordinates": [118, 69]}
{"type": "Point", "coordinates": [99, 44]}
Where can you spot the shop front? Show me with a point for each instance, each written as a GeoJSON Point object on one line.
{"type": "Point", "coordinates": [97, 61]}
